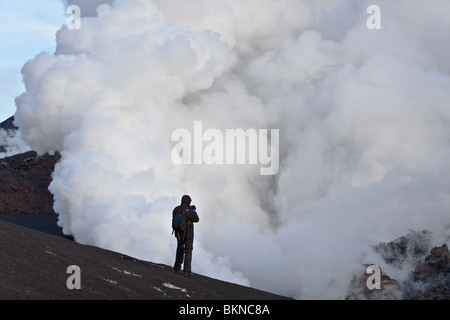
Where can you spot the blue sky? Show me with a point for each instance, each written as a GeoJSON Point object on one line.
{"type": "Point", "coordinates": [27, 27]}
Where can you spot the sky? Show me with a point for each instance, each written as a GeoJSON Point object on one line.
{"type": "Point", "coordinates": [26, 29]}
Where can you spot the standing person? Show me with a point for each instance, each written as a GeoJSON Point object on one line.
{"type": "Point", "coordinates": [185, 239]}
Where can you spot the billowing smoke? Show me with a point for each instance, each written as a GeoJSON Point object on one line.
{"type": "Point", "coordinates": [363, 117]}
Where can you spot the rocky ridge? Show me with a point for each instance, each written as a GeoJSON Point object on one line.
{"type": "Point", "coordinates": [428, 271]}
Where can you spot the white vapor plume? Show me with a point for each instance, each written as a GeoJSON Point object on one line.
{"type": "Point", "coordinates": [363, 117]}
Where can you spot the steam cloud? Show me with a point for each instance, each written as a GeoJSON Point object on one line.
{"type": "Point", "coordinates": [363, 118]}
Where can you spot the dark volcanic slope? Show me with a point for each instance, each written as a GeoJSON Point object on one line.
{"type": "Point", "coordinates": [33, 265]}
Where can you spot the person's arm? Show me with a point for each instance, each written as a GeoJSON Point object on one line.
{"type": "Point", "coordinates": [193, 216]}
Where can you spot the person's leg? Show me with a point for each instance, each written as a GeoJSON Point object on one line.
{"type": "Point", "coordinates": [188, 247]}
{"type": "Point", "coordinates": [179, 256]}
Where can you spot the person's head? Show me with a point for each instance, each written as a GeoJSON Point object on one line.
{"type": "Point", "coordinates": [186, 200]}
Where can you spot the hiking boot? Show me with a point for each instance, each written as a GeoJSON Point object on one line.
{"type": "Point", "coordinates": [188, 274]}
{"type": "Point", "coordinates": [177, 271]}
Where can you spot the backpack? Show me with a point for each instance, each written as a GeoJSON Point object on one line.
{"type": "Point", "coordinates": [179, 223]}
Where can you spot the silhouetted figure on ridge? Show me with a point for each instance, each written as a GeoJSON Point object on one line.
{"type": "Point", "coordinates": [183, 218]}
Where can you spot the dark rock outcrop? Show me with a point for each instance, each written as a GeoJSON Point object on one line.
{"type": "Point", "coordinates": [24, 181]}
{"type": "Point", "coordinates": [389, 288]}
{"type": "Point", "coordinates": [9, 125]}
{"type": "Point", "coordinates": [429, 280]}
{"type": "Point", "coordinates": [412, 247]}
